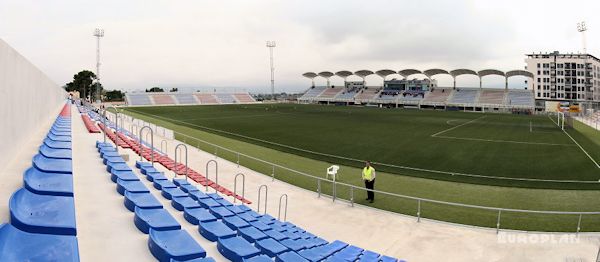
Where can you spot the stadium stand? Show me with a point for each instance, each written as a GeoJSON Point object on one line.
{"type": "Point", "coordinates": [138, 99]}
{"type": "Point", "coordinates": [163, 99]}
{"type": "Point", "coordinates": [146, 99]}
{"type": "Point", "coordinates": [91, 127]}
{"type": "Point", "coordinates": [438, 95]}
{"type": "Point", "coordinates": [206, 99]}
{"type": "Point", "coordinates": [42, 213]}
{"type": "Point", "coordinates": [244, 98]}
{"type": "Point", "coordinates": [367, 93]}
{"type": "Point", "coordinates": [492, 97]}
{"type": "Point", "coordinates": [464, 96]}
{"type": "Point", "coordinates": [346, 95]}
{"type": "Point", "coordinates": [411, 96]}
{"type": "Point", "coordinates": [313, 92]}
{"type": "Point", "coordinates": [520, 98]}
{"type": "Point", "coordinates": [185, 99]}
{"type": "Point", "coordinates": [226, 98]}
{"type": "Point", "coordinates": [331, 92]}
{"type": "Point", "coordinates": [240, 233]}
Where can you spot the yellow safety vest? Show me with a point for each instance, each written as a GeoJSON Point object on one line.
{"type": "Point", "coordinates": [367, 173]}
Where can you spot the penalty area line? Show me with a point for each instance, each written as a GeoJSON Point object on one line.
{"type": "Point", "coordinates": [583, 150]}
{"type": "Point", "coordinates": [454, 127]}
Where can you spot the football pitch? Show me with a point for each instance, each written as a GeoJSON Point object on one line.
{"type": "Point", "coordinates": [492, 149]}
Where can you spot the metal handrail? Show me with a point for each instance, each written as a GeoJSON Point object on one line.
{"type": "Point", "coordinates": [166, 146]}
{"type": "Point", "coordinates": [186, 161]}
{"type": "Point", "coordinates": [266, 195]}
{"type": "Point", "coordinates": [151, 144]}
{"type": "Point", "coordinates": [417, 199]}
{"type": "Point", "coordinates": [285, 210]}
{"type": "Point", "coordinates": [235, 194]}
{"type": "Point", "coordinates": [116, 127]}
{"type": "Point", "coordinates": [216, 174]}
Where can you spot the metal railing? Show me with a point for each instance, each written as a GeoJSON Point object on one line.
{"type": "Point", "coordinates": [260, 189]}
{"type": "Point", "coordinates": [175, 169]}
{"type": "Point", "coordinates": [235, 178]}
{"type": "Point", "coordinates": [418, 202]}
{"type": "Point", "coordinates": [216, 175]}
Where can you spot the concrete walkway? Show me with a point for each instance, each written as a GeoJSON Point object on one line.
{"type": "Point", "coordinates": [389, 233]}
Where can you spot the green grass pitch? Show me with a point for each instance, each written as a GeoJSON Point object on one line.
{"type": "Point", "coordinates": [462, 146]}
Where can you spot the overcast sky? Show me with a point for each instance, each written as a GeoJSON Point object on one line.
{"type": "Point", "coordinates": [221, 44]}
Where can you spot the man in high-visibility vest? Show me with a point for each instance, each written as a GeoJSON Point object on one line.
{"type": "Point", "coordinates": [368, 175]}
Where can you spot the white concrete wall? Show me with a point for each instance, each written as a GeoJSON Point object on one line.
{"type": "Point", "coordinates": [28, 100]}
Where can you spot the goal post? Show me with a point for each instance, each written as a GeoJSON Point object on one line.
{"type": "Point", "coordinates": [560, 120]}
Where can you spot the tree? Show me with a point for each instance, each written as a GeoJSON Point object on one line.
{"type": "Point", "coordinates": [83, 82]}
{"type": "Point", "coordinates": [114, 95]}
{"type": "Point", "coordinates": [174, 89]}
{"type": "Point", "coordinates": [155, 89]}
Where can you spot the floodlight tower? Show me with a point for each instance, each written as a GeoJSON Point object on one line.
{"type": "Point", "coordinates": [581, 27]}
{"type": "Point", "coordinates": [271, 45]}
{"type": "Point", "coordinates": [98, 33]}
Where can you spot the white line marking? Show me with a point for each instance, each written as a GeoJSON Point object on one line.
{"type": "Point", "coordinates": [585, 152]}
{"type": "Point", "coordinates": [454, 127]}
{"type": "Point", "coordinates": [503, 141]}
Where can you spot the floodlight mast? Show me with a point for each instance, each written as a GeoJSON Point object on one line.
{"type": "Point", "coordinates": [98, 33]}
{"type": "Point", "coordinates": [271, 45]}
{"type": "Point", "coordinates": [581, 28]}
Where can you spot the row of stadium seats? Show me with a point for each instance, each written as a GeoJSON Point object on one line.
{"type": "Point", "coordinates": [459, 96]}
{"type": "Point", "coordinates": [167, 162]}
{"type": "Point", "coordinates": [241, 233]}
{"type": "Point", "coordinates": [137, 99]}
{"type": "Point", "coordinates": [42, 213]}
{"type": "Point", "coordinates": [89, 124]}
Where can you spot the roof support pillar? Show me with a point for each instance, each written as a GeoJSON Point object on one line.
{"type": "Point", "coordinates": [480, 82]}
{"type": "Point", "coordinates": [454, 82]}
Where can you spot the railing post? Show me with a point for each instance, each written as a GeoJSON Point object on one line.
{"type": "Point", "coordinates": [419, 210]}
{"type": "Point", "coordinates": [579, 224]}
{"type": "Point", "coordinates": [176, 171]}
{"type": "Point", "coordinates": [285, 210]}
{"type": "Point", "coordinates": [216, 174]}
{"type": "Point", "coordinates": [235, 186]}
{"type": "Point", "coordinates": [273, 173]}
{"type": "Point", "coordinates": [238, 159]}
{"type": "Point", "coordinates": [498, 221]}
{"type": "Point", "coordinates": [333, 193]}
{"type": "Point", "coordinates": [319, 188]}
{"type": "Point", "coordinates": [216, 152]}
{"type": "Point", "coordinates": [352, 196]}
{"type": "Point", "coordinates": [266, 195]}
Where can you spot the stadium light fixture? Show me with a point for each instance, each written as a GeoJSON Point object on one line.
{"type": "Point", "coordinates": [581, 28]}
{"type": "Point", "coordinates": [271, 45]}
{"type": "Point", "coordinates": [98, 33]}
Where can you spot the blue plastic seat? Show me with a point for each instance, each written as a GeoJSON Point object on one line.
{"type": "Point", "coordinates": [59, 138]}
{"type": "Point", "coordinates": [349, 253]}
{"type": "Point", "coordinates": [235, 209]}
{"type": "Point", "coordinates": [146, 169]}
{"type": "Point", "coordinates": [234, 222]}
{"type": "Point", "coordinates": [271, 247]}
{"type": "Point", "coordinates": [388, 259]}
{"type": "Point", "coordinates": [198, 195]}
{"type": "Point", "coordinates": [160, 184]}
{"type": "Point", "coordinates": [174, 244]}
{"type": "Point", "coordinates": [43, 183]}
{"type": "Point", "coordinates": [253, 213]}
{"type": "Point", "coordinates": [267, 219]}
{"type": "Point", "coordinates": [260, 225]}
{"type": "Point", "coordinates": [244, 207]}
{"type": "Point", "coordinates": [369, 255]}
{"type": "Point", "coordinates": [113, 160]}
{"type": "Point", "coordinates": [224, 202]}
{"type": "Point", "coordinates": [220, 211]}
{"type": "Point", "coordinates": [251, 234]}
{"type": "Point", "coordinates": [214, 230]}
{"type": "Point", "coordinates": [52, 165]}
{"type": "Point", "coordinates": [18, 246]}
{"type": "Point", "coordinates": [57, 145]}
{"type": "Point", "coordinates": [117, 167]}
{"type": "Point", "coordinates": [294, 245]}
{"type": "Point", "coordinates": [131, 186]}
{"type": "Point", "coordinates": [181, 182]}
{"type": "Point", "coordinates": [260, 258]}
{"type": "Point", "coordinates": [123, 175]}
{"type": "Point", "coordinates": [306, 243]}
{"type": "Point", "coordinates": [214, 196]}
{"type": "Point", "coordinates": [247, 217]}
{"type": "Point", "coordinates": [55, 153]}
{"type": "Point", "coordinates": [207, 202]}
{"type": "Point", "coordinates": [313, 255]}
{"type": "Point", "coordinates": [141, 200]}
{"type": "Point", "coordinates": [206, 259]}
{"type": "Point", "coordinates": [236, 248]}
{"type": "Point", "coordinates": [170, 193]}
{"type": "Point", "coordinates": [60, 133]}
{"type": "Point", "coordinates": [101, 144]}
{"type": "Point", "coordinates": [109, 153]}
{"type": "Point", "coordinates": [188, 188]}
{"type": "Point", "coordinates": [151, 176]}
{"type": "Point", "coordinates": [290, 235]}
{"type": "Point", "coordinates": [197, 215]}
{"type": "Point", "coordinates": [42, 213]}
{"type": "Point", "coordinates": [139, 164]}
{"type": "Point", "coordinates": [290, 257]}
{"type": "Point", "coordinates": [186, 202]}
{"type": "Point", "coordinates": [156, 219]}
{"type": "Point", "coordinates": [275, 235]}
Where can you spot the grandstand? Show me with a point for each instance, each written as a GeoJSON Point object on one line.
{"type": "Point", "coordinates": [368, 93]}
{"type": "Point", "coordinates": [464, 96]}
{"type": "Point", "coordinates": [520, 98]}
{"type": "Point", "coordinates": [492, 97]}
{"type": "Point", "coordinates": [148, 99]}
{"type": "Point", "coordinates": [312, 92]}
{"type": "Point", "coordinates": [330, 92]}
{"type": "Point", "coordinates": [437, 96]}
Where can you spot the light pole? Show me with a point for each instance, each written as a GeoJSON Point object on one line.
{"type": "Point", "coordinates": [271, 45]}
{"type": "Point", "coordinates": [98, 33]}
{"type": "Point", "coordinates": [581, 28]}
